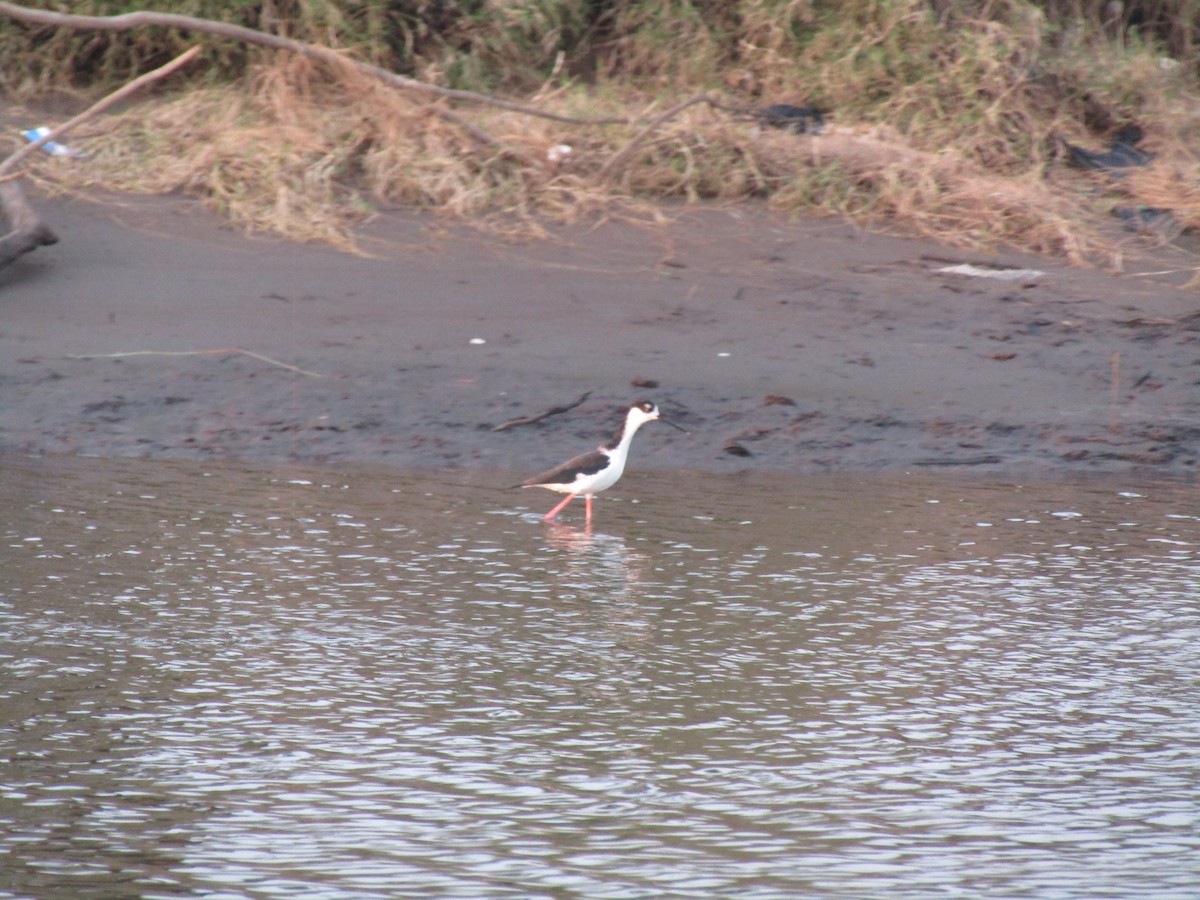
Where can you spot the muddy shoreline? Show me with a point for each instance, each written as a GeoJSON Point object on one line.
{"type": "Point", "coordinates": [152, 331]}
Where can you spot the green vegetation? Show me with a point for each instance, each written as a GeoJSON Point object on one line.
{"type": "Point", "coordinates": [946, 118]}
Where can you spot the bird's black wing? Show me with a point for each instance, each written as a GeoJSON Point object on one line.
{"type": "Point", "coordinates": [584, 464]}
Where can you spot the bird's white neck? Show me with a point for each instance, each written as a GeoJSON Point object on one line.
{"type": "Point", "coordinates": [619, 445]}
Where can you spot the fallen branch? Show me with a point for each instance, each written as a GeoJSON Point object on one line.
{"type": "Point", "coordinates": [223, 352]}
{"type": "Point", "coordinates": [26, 231]}
{"type": "Point", "coordinates": [529, 420]}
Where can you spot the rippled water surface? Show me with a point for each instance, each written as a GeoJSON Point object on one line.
{"type": "Point", "coordinates": [350, 683]}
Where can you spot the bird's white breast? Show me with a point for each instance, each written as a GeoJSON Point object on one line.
{"type": "Point", "coordinates": [602, 480]}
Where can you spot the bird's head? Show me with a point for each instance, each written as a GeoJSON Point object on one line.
{"type": "Point", "coordinates": [644, 411]}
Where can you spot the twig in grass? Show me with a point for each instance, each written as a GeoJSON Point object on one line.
{"type": "Point", "coordinates": [529, 420]}
{"type": "Point", "coordinates": [1161, 272]}
{"type": "Point", "coordinates": [619, 158]}
{"type": "Point", "coordinates": [224, 351]}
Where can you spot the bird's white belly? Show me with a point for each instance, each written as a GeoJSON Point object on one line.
{"type": "Point", "coordinates": [601, 481]}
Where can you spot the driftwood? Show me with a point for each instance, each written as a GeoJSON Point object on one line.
{"type": "Point", "coordinates": [26, 231]}
{"type": "Point", "coordinates": [529, 420]}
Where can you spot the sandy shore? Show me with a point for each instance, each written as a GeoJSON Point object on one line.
{"type": "Point", "coordinates": [802, 346]}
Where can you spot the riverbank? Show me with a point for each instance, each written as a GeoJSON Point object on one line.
{"type": "Point", "coordinates": [785, 345]}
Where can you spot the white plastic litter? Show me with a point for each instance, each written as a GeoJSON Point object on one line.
{"type": "Point", "coordinates": [52, 147]}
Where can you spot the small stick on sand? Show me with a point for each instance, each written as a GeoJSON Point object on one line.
{"type": "Point", "coordinates": [529, 420]}
{"type": "Point", "coordinates": [221, 352]}
{"type": "Point", "coordinates": [1114, 425]}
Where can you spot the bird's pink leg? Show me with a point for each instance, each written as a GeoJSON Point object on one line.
{"type": "Point", "coordinates": [554, 512]}
{"type": "Point", "coordinates": [588, 518]}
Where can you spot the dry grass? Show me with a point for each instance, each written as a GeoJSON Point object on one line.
{"type": "Point", "coordinates": [309, 154]}
{"type": "Point", "coordinates": [311, 158]}
{"type": "Point", "coordinates": [949, 131]}
{"type": "Point", "coordinates": [279, 154]}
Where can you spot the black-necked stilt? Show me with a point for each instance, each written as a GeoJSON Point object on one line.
{"type": "Point", "coordinates": [595, 471]}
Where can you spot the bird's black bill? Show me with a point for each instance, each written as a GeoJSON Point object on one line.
{"type": "Point", "coordinates": [673, 425]}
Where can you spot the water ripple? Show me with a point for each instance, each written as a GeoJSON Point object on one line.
{"type": "Point", "coordinates": [237, 683]}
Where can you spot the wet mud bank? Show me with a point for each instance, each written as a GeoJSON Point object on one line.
{"type": "Point", "coordinates": [151, 331]}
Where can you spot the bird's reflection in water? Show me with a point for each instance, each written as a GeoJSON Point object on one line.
{"type": "Point", "coordinates": [600, 571]}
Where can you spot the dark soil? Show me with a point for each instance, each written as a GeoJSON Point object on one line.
{"type": "Point", "coordinates": [780, 345]}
